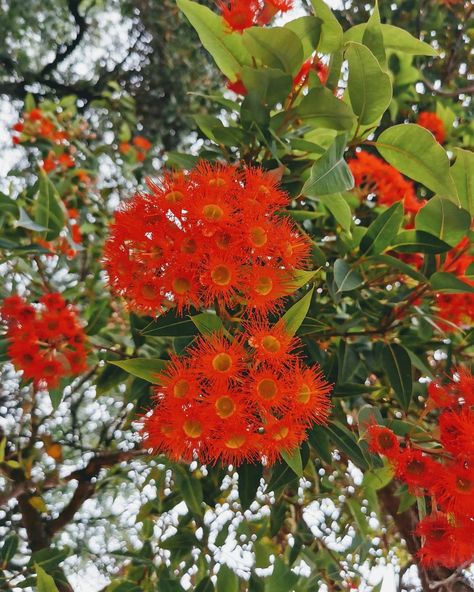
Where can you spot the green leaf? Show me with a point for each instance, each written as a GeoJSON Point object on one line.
{"type": "Point", "coordinates": [373, 37]}
{"type": "Point", "coordinates": [308, 30]}
{"type": "Point", "coordinates": [367, 416]}
{"type": "Point", "coordinates": [462, 172]}
{"type": "Point", "coordinates": [190, 488]}
{"type": "Point", "coordinates": [271, 86]}
{"type": "Point", "coordinates": [360, 518]}
{"type": "Point", "coordinates": [207, 322]}
{"type": "Point", "coordinates": [146, 368]}
{"type": "Point", "coordinates": [331, 30]}
{"type": "Point", "coordinates": [301, 277]}
{"type": "Point", "coordinates": [416, 241]}
{"type": "Point", "coordinates": [45, 582]}
{"type": "Point", "coordinates": [48, 208]}
{"type": "Point", "coordinates": [413, 151]}
{"type": "Point", "coordinates": [339, 208]}
{"type": "Point", "coordinates": [293, 460]}
{"type": "Point", "coordinates": [227, 49]}
{"type": "Point", "coordinates": [442, 281]}
{"type": "Point", "coordinates": [249, 481]}
{"type": "Point", "coordinates": [227, 581]}
{"type": "Point", "coordinates": [394, 38]}
{"type": "Point", "coordinates": [443, 219]}
{"type": "Point", "coordinates": [321, 108]}
{"type": "Point", "coordinates": [294, 316]}
{"type": "Point", "coordinates": [275, 47]}
{"type": "Point", "coordinates": [377, 478]}
{"type": "Point", "coordinates": [3, 445]}
{"type": "Point", "coordinates": [346, 442]}
{"type": "Point", "coordinates": [282, 578]}
{"type": "Point", "coordinates": [330, 173]}
{"type": "Point", "coordinates": [397, 365]}
{"type": "Point", "coordinates": [8, 550]}
{"type": "Point", "coordinates": [346, 279]}
{"type": "Point", "coordinates": [205, 585]}
{"type": "Point", "coordinates": [171, 325]}
{"type": "Point", "coordinates": [370, 88]}
{"type": "Point", "coordinates": [394, 263]}
{"type": "Point", "coordinates": [383, 230]}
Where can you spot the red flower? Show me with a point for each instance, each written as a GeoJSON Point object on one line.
{"type": "Point", "coordinates": [416, 469]}
{"type": "Point", "coordinates": [141, 142]}
{"type": "Point", "coordinates": [383, 441]}
{"type": "Point", "coordinates": [45, 343]}
{"type": "Point", "coordinates": [125, 147]}
{"type": "Point", "coordinates": [375, 177]}
{"type": "Point", "coordinates": [445, 542]}
{"type": "Point", "coordinates": [49, 165]}
{"type": "Point", "coordinates": [434, 124]}
{"type": "Point", "coordinates": [218, 359]}
{"type": "Point", "coordinates": [454, 488]}
{"type": "Point", "coordinates": [239, 14]}
{"type": "Point", "coordinates": [65, 160]}
{"type": "Point", "coordinates": [457, 432]}
{"type": "Point", "coordinates": [270, 344]}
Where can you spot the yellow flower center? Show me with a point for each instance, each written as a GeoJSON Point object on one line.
{"type": "Point", "coordinates": [225, 407]}
{"type": "Point", "coordinates": [221, 275]}
{"type": "Point", "coordinates": [267, 388]}
{"type": "Point", "coordinates": [271, 344]}
{"type": "Point", "coordinates": [222, 362]}
{"type": "Point", "coordinates": [181, 388]}
{"type": "Point", "coordinates": [281, 434]}
{"type": "Point", "coordinates": [174, 197]}
{"type": "Point", "coordinates": [235, 441]}
{"type": "Point", "coordinates": [149, 292]}
{"type": "Point", "coordinates": [304, 394]}
{"type": "Point", "coordinates": [181, 285]}
{"type": "Point", "coordinates": [264, 286]}
{"type": "Point", "coordinates": [192, 428]}
{"type": "Point", "coordinates": [212, 212]}
{"type": "Point", "coordinates": [217, 182]}
{"type": "Point", "coordinates": [258, 236]}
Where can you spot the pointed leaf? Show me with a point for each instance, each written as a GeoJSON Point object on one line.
{"type": "Point", "coordinates": [294, 316]}
{"type": "Point", "coordinates": [146, 368]}
{"type": "Point", "coordinates": [346, 278]}
{"type": "Point", "coordinates": [293, 460]}
{"type": "Point", "coordinates": [443, 219]}
{"type": "Point", "coordinates": [321, 108]}
{"type": "Point", "coordinates": [330, 173]}
{"type": "Point", "coordinates": [397, 364]}
{"type": "Point", "coordinates": [249, 481]}
{"type": "Point", "coordinates": [383, 230]}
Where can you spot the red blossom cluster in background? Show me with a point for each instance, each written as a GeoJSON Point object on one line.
{"type": "Point", "coordinates": [47, 342]}
{"type": "Point", "coordinates": [247, 399]}
{"type": "Point", "coordinates": [135, 150]}
{"type": "Point", "coordinates": [443, 473]}
{"type": "Point", "coordinates": [210, 235]}
{"type": "Point", "coordinates": [457, 308]}
{"type": "Point", "coordinates": [434, 124]}
{"type": "Point", "coordinates": [374, 176]}
{"type": "Point", "coordinates": [242, 14]}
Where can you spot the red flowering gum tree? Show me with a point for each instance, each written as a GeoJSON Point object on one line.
{"type": "Point", "coordinates": [255, 366]}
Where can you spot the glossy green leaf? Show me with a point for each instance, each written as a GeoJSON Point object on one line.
{"type": "Point", "coordinates": [339, 208]}
{"type": "Point", "coordinates": [270, 85]}
{"type": "Point", "coordinates": [331, 30]}
{"type": "Point", "coordinates": [45, 582]}
{"type": "Point", "coordinates": [397, 365]}
{"type": "Point", "coordinates": [394, 263]}
{"type": "Point", "coordinates": [293, 460]}
{"type": "Point", "coordinates": [146, 368]}
{"type": "Point", "coordinates": [373, 37]}
{"type": "Point", "coordinates": [413, 151]}
{"type": "Point", "coordinates": [377, 478]}
{"type": "Point", "coordinates": [190, 489]}
{"type": "Point", "coordinates": [227, 581]}
{"type": "Point", "coordinates": [9, 548]}
{"type": "Point", "coordinates": [171, 325]}
{"type": "Point", "coordinates": [321, 108]}
{"type": "Point", "coordinates": [394, 38]}
{"type": "Point", "coordinates": [441, 281]}
{"type": "Point", "coordinates": [462, 172]}
{"type": "Point", "coordinates": [443, 219]}
{"type": "Point", "coordinates": [370, 88]}
{"type": "Point", "coordinates": [383, 230]}
{"type": "Point", "coordinates": [367, 416]}
{"type": "Point", "coordinates": [227, 49]}
{"type": "Point", "coordinates": [345, 441]}
{"type": "Point", "coordinates": [275, 47]}
{"type": "Point", "coordinates": [308, 30]}
{"type": "Point", "coordinates": [330, 173]}
{"type": "Point", "coordinates": [417, 241]}
{"type": "Point", "coordinates": [346, 278]}
{"type": "Point", "coordinates": [207, 322]}
{"type": "Point", "coordinates": [294, 316]}
{"type": "Point", "coordinates": [48, 208]}
{"type": "Point", "coordinates": [249, 481]}
{"type": "Point", "coordinates": [205, 585]}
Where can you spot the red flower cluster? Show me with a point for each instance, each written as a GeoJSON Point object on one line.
{"type": "Point", "coordinates": [457, 308]}
{"type": "Point", "coordinates": [210, 235]}
{"type": "Point", "coordinates": [137, 150]}
{"type": "Point", "coordinates": [434, 124]}
{"type": "Point", "coordinates": [47, 343]}
{"type": "Point", "coordinates": [242, 14]}
{"type": "Point", "coordinates": [247, 399]}
{"type": "Point", "coordinates": [311, 64]}
{"type": "Point", "coordinates": [36, 124]}
{"type": "Point", "coordinates": [374, 176]}
{"type": "Point", "coordinates": [446, 475]}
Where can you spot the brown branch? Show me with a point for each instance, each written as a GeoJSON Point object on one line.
{"type": "Point", "coordinates": [66, 49]}
{"type": "Point", "coordinates": [466, 90]}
